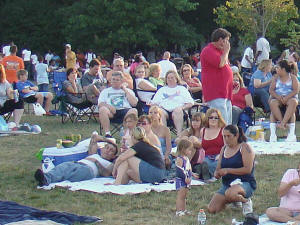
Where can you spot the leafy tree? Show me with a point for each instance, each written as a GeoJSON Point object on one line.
{"type": "Point", "coordinates": [293, 37]}
{"type": "Point", "coordinates": [251, 17]}
{"type": "Point", "coordinates": [108, 25]}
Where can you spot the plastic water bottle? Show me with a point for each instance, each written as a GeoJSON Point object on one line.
{"type": "Point", "coordinates": [16, 95]}
{"type": "Point", "coordinates": [201, 217]}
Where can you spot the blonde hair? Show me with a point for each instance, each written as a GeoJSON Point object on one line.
{"type": "Point", "coordinates": [208, 114]}
{"type": "Point", "coordinates": [183, 145]}
{"type": "Point", "coordinates": [139, 134]}
{"type": "Point", "coordinates": [186, 65]}
{"type": "Point", "coordinates": [153, 67]}
{"type": "Point", "coordinates": [155, 107]}
{"type": "Point", "coordinates": [264, 64]}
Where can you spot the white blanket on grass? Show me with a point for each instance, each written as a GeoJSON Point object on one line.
{"type": "Point", "coordinates": [98, 185]}
{"type": "Point", "coordinates": [264, 220]}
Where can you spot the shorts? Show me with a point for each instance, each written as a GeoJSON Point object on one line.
{"type": "Point", "coordinates": [180, 183]}
{"type": "Point", "coordinates": [245, 185]}
{"type": "Point", "coordinates": [150, 174]}
{"type": "Point", "coordinates": [294, 214]}
{"type": "Point", "coordinates": [119, 115]}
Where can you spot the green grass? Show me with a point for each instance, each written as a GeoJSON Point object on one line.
{"type": "Point", "coordinates": [18, 164]}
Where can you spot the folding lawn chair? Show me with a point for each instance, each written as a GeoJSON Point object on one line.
{"type": "Point", "coordinates": [75, 112]}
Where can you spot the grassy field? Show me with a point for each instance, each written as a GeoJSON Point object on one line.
{"type": "Point", "coordinates": [18, 164]}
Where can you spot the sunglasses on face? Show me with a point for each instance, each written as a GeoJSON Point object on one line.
{"type": "Point", "coordinates": [213, 117]}
{"type": "Point", "coordinates": [187, 70]}
{"type": "Point", "coordinates": [142, 123]}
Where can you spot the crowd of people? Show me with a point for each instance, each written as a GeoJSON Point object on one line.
{"type": "Point", "coordinates": [211, 146]}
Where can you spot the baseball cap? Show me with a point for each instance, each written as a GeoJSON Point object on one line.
{"type": "Point", "coordinates": [68, 45]}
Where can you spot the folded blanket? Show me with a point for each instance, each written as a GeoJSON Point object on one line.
{"type": "Point", "coordinates": [264, 220]}
{"type": "Point", "coordinates": [13, 212]}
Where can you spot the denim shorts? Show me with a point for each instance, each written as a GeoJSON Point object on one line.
{"type": "Point", "coordinates": [150, 174]}
{"type": "Point", "coordinates": [294, 214]}
{"type": "Point", "coordinates": [245, 185]}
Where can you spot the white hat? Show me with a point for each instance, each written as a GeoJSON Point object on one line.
{"type": "Point", "coordinates": [68, 46]}
{"type": "Point", "coordinates": [235, 69]}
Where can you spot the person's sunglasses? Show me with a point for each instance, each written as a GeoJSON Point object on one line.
{"type": "Point", "coordinates": [213, 117]}
{"type": "Point", "coordinates": [142, 123]}
{"type": "Point", "coordinates": [185, 70]}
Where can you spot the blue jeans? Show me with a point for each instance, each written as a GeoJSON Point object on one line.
{"type": "Point", "coordinates": [212, 165]}
{"type": "Point", "coordinates": [263, 95]}
{"type": "Point", "coordinates": [224, 106]}
{"type": "Point", "coordinates": [70, 171]}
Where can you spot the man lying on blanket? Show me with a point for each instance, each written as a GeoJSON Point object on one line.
{"type": "Point", "coordinates": [99, 162]}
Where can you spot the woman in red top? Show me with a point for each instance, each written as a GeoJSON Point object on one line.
{"type": "Point", "coordinates": [193, 83]}
{"type": "Point", "coordinates": [212, 140]}
{"type": "Point", "coordinates": [241, 98]}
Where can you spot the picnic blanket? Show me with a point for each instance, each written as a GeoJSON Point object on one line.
{"type": "Point", "coordinates": [13, 212]}
{"type": "Point", "coordinates": [99, 185]}
{"type": "Point", "coordinates": [14, 133]}
{"type": "Point", "coordinates": [264, 220]}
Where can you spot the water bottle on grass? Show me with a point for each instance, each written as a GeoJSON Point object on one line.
{"type": "Point", "coordinates": [201, 217]}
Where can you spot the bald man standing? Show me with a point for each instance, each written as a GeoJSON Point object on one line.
{"type": "Point", "coordinates": [166, 65]}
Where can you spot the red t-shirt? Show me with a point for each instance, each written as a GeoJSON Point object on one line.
{"type": "Point", "coordinates": [12, 64]}
{"type": "Point", "coordinates": [238, 99]}
{"type": "Point", "coordinates": [216, 82]}
{"type": "Point", "coordinates": [213, 146]}
{"type": "Point", "coordinates": [194, 82]}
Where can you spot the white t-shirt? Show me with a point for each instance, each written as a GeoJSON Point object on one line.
{"type": "Point", "coordinates": [105, 163]}
{"type": "Point", "coordinates": [26, 54]}
{"type": "Point", "coordinates": [41, 73]}
{"type": "Point", "coordinates": [3, 92]}
{"type": "Point", "coordinates": [291, 200]}
{"type": "Point", "coordinates": [34, 59]}
{"type": "Point", "coordinates": [144, 95]}
{"type": "Point", "coordinates": [171, 98]}
{"type": "Point", "coordinates": [6, 50]}
{"type": "Point", "coordinates": [89, 57]}
{"type": "Point", "coordinates": [248, 52]}
{"type": "Point", "coordinates": [166, 65]}
{"type": "Point", "coordinates": [115, 97]}
{"type": "Point", "coordinates": [262, 45]}
{"type": "Point", "coordinates": [48, 57]}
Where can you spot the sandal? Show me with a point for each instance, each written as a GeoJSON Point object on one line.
{"type": "Point", "coordinates": [180, 213]}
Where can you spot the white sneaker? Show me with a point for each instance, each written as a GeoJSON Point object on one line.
{"type": "Point", "coordinates": [247, 207]}
{"type": "Point", "coordinates": [291, 138]}
{"type": "Point", "coordinates": [273, 138]}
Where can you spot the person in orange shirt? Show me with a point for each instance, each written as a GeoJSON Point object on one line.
{"type": "Point", "coordinates": [12, 64]}
{"type": "Point", "coordinates": [118, 65]}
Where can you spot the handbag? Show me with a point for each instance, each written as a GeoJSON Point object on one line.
{"type": "Point", "coordinates": [38, 109]}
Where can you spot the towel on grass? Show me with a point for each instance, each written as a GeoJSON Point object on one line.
{"type": "Point", "coordinates": [99, 185]}
{"type": "Point", "coordinates": [264, 220]}
{"type": "Point", "coordinates": [13, 212]}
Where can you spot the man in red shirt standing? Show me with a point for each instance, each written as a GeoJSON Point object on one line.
{"type": "Point", "coordinates": [217, 78]}
{"type": "Point", "coordinates": [12, 64]}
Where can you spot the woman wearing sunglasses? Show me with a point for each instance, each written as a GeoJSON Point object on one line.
{"type": "Point", "coordinates": [212, 140]}
{"type": "Point", "coordinates": [193, 83]}
{"type": "Point", "coordinates": [289, 193]}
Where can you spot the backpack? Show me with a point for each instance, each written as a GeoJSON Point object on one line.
{"type": "Point", "coordinates": [246, 119]}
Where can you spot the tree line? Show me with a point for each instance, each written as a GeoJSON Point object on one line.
{"type": "Point", "coordinates": [123, 26]}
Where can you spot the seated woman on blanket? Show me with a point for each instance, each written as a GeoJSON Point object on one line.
{"type": "Point", "coordinates": [97, 163]}
{"type": "Point", "coordinates": [173, 99]}
{"type": "Point", "coordinates": [193, 133]}
{"type": "Point", "coordinates": [72, 88]}
{"type": "Point", "coordinates": [7, 101]}
{"type": "Point", "coordinates": [212, 140]}
{"type": "Point", "coordinates": [284, 93]}
{"type": "Point", "coordinates": [289, 193]}
{"type": "Point", "coordinates": [162, 132]}
{"type": "Point", "coordinates": [145, 121]}
{"type": "Point", "coordinates": [29, 92]}
{"type": "Point", "coordinates": [241, 98]}
{"type": "Point", "coordinates": [141, 163]}
{"type": "Point", "coordinates": [236, 168]}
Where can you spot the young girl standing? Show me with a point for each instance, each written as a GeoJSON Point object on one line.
{"type": "Point", "coordinates": [183, 175]}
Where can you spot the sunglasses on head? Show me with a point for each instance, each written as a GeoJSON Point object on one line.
{"type": "Point", "coordinates": [213, 117]}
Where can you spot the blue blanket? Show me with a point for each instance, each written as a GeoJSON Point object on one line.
{"type": "Point", "coordinates": [13, 212]}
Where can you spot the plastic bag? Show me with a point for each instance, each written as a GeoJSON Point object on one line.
{"type": "Point", "coordinates": [38, 109]}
